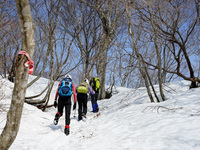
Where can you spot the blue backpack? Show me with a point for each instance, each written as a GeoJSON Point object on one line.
{"type": "Point", "coordinates": [65, 87]}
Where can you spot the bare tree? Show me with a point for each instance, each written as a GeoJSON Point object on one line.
{"type": "Point", "coordinates": [159, 64]}
{"type": "Point", "coordinates": [174, 22]}
{"type": "Point", "coordinates": [141, 63]}
{"type": "Point", "coordinates": [49, 29]}
{"type": "Point", "coordinates": [48, 25]}
{"type": "Point", "coordinates": [81, 23]}
{"type": "Point", "coordinates": [9, 39]}
{"type": "Point", "coordinates": [109, 13]}
{"type": "Point", "coordinates": [11, 128]}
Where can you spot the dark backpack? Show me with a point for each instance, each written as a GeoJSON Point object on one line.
{"type": "Point", "coordinates": [65, 88]}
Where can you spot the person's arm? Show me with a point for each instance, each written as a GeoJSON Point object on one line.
{"type": "Point", "coordinates": [55, 101]}
{"type": "Point", "coordinates": [74, 92]}
{"type": "Point", "coordinates": [91, 91]}
{"type": "Point", "coordinates": [57, 91]}
{"type": "Point", "coordinates": [74, 95]}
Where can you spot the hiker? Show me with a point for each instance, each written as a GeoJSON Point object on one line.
{"type": "Point", "coordinates": [95, 85]}
{"type": "Point", "coordinates": [65, 90]}
{"type": "Point", "coordinates": [82, 89]}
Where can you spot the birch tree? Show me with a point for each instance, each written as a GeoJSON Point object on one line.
{"type": "Point", "coordinates": [141, 63]}
{"type": "Point", "coordinates": [11, 128]}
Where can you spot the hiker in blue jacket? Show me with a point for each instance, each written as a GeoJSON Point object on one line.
{"type": "Point", "coordinates": [65, 90]}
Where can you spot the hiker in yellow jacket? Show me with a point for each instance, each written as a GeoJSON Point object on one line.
{"type": "Point", "coordinates": [95, 85]}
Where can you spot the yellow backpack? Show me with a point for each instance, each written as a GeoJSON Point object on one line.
{"type": "Point", "coordinates": [82, 88]}
{"type": "Point", "coordinates": [95, 84]}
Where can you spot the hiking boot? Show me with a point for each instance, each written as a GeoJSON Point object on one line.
{"type": "Point", "coordinates": [79, 118]}
{"type": "Point", "coordinates": [84, 115]}
{"type": "Point", "coordinates": [57, 116]}
{"type": "Point", "coordinates": [56, 121]}
{"type": "Point", "coordinates": [66, 130]}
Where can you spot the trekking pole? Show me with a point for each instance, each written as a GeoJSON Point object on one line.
{"type": "Point", "coordinates": [75, 113]}
{"type": "Point", "coordinates": [74, 104]}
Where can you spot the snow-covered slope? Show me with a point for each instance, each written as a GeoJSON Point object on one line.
{"type": "Point", "coordinates": [128, 121]}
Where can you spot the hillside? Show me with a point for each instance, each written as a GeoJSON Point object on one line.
{"type": "Point", "coordinates": [127, 121]}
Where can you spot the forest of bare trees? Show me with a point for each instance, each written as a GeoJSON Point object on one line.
{"type": "Point", "coordinates": [129, 43]}
{"type": "Point", "coordinates": [126, 43]}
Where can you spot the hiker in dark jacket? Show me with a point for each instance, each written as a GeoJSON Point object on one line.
{"type": "Point", "coordinates": [65, 90]}
{"type": "Point", "coordinates": [82, 89]}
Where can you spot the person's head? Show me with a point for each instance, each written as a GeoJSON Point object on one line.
{"type": "Point", "coordinates": [86, 80]}
{"type": "Point", "coordinates": [68, 76]}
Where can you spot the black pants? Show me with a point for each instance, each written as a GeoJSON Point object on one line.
{"type": "Point", "coordinates": [82, 104]}
{"type": "Point", "coordinates": [65, 102]}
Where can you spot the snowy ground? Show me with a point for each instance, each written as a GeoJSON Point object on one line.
{"type": "Point", "coordinates": [128, 121]}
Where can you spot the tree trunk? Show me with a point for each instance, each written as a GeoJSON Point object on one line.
{"type": "Point", "coordinates": [158, 58]}
{"type": "Point", "coordinates": [139, 57]}
{"type": "Point", "coordinates": [110, 21]}
{"type": "Point", "coordinates": [102, 65]}
{"type": "Point", "coordinates": [128, 71]}
{"type": "Point", "coordinates": [159, 70]}
{"type": "Point", "coordinates": [11, 128]}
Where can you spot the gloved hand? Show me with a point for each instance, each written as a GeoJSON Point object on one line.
{"type": "Point", "coordinates": [55, 104]}
{"type": "Point", "coordinates": [74, 107]}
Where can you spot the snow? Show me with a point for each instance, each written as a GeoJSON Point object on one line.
{"type": "Point", "coordinates": [128, 121]}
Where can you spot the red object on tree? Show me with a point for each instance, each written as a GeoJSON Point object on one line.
{"type": "Point", "coordinates": [28, 63]}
